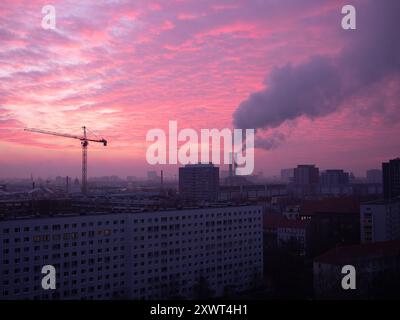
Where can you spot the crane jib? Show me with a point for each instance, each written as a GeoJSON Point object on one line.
{"type": "Point", "coordinates": [84, 142]}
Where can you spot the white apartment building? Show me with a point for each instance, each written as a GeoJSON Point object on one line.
{"type": "Point", "coordinates": [88, 252]}
{"type": "Point", "coordinates": [380, 220]}
{"type": "Point", "coordinates": [146, 255]}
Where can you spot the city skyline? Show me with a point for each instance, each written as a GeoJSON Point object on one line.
{"type": "Point", "coordinates": [109, 65]}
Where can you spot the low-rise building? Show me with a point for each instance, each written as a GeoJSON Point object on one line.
{"type": "Point", "coordinates": [289, 235]}
{"type": "Point", "coordinates": [333, 222]}
{"type": "Point", "coordinates": [377, 271]}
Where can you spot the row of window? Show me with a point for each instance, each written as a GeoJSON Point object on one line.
{"type": "Point", "coordinates": [68, 293]}
{"type": "Point", "coordinates": [46, 238]}
{"type": "Point", "coordinates": [56, 256]}
{"type": "Point", "coordinates": [56, 247]}
{"type": "Point", "coordinates": [57, 227]}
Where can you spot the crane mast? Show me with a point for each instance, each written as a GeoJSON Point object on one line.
{"type": "Point", "coordinates": [84, 143]}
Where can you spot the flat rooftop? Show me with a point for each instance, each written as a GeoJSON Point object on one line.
{"type": "Point", "coordinates": [133, 211]}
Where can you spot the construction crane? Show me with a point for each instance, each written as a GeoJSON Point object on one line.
{"type": "Point", "coordinates": [84, 142]}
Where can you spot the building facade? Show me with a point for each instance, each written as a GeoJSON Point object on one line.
{"type": "Point", "coordinates": [331, 178]}
{"type": "Point", "coordinates": [147, 255]}
{"type": "Point", "coordinates": [391, 179]}
{"type": "Point", "coordinates": [305, 175]}
{"type": "Point", "coordinates": [380, 220]}
{"type": "Point", "coordinates": [88, 252]}
{"type": "Point", "coordinates": [199, 182]}
{"type": "Point", "coordinates": [374, 176]}
{"type": "Point", "coordinates": [287, 175]}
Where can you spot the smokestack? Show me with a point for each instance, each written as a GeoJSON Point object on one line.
{"type": "Point", "coordinates": [67, 185]}
{"type": "Point", "coordinates": [162, 180]}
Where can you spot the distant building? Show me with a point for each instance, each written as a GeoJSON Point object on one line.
{"type": "Point", "coordinates": [199, 182]}
{"type": "Point", "coordinates": [377, 268]}
{"type": "Point", "coordinates": [380, 220]}
{"type": "Point", "coordinates": [305, 181]}
{"type": "Point", "coordinates": [366, 189]}
{"type": "Point", "coordinates": [152, 176]}
{"type": "Point", "coordinates": [334, 178]}
{"type": "Point", "coordinates": [374, 176]}
{"type": "Point", "coordinates": [391, 178]}
{"type": "Point", "coordinates": [305, 175]}
{"type": "Point", "coordinates": [287, 175]}
{"type": "Point", "coordinates": [251, 191]}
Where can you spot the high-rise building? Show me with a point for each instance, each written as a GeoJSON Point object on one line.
{"type": "Point", "coordinates": [142, 255]}
{"type": "Point", "coordinates": [380, 220]}
{"type": "Point", "coordinates": [199, 182]}
{"type": "Point", "coordinates": [374, 176]}
{"type": "Point", "coordinates": [334, 178]}
{"type": "Point", "coordinates": [391, 178]}
{"type": "Point", "coordinates": [305, 175]}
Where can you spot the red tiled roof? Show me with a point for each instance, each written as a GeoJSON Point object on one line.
{"type": "Point", "coordinates": [330, 205]}
{"type": "Point", "coordinates": [349, 254]}
{"type": "Point", "coordinates": [271, 220]}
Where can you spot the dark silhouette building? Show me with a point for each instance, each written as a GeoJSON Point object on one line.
{"type": "Point", "coordinates": [306, 179]}
{"type": "Point", "coordinates": [391, 179]}
{"type": "Point", "coordinates": [334, 222]}
{"type": "Point", "coordinates": [334, 178]}
{"type": "Point", "coordinates": [199, 182]}
{"type": "Point", "coordinates": [306, 175]}
{"type": "Point", "coordinates": [374, 176]}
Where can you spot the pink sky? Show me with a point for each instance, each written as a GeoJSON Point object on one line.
{"type": "Point", "coordinates": [124, 67]}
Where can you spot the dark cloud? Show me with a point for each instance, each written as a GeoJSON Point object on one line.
{"type": "Point", "coordinates": [321, 85]}
{"type": "Point", "coordinates": [271, 142]}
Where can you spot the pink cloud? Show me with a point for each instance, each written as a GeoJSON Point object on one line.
{"type": "Point", "coordinates": [125, 67]}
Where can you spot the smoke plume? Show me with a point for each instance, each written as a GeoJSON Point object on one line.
{"type": "Point", "coordinates": [321, 85]}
